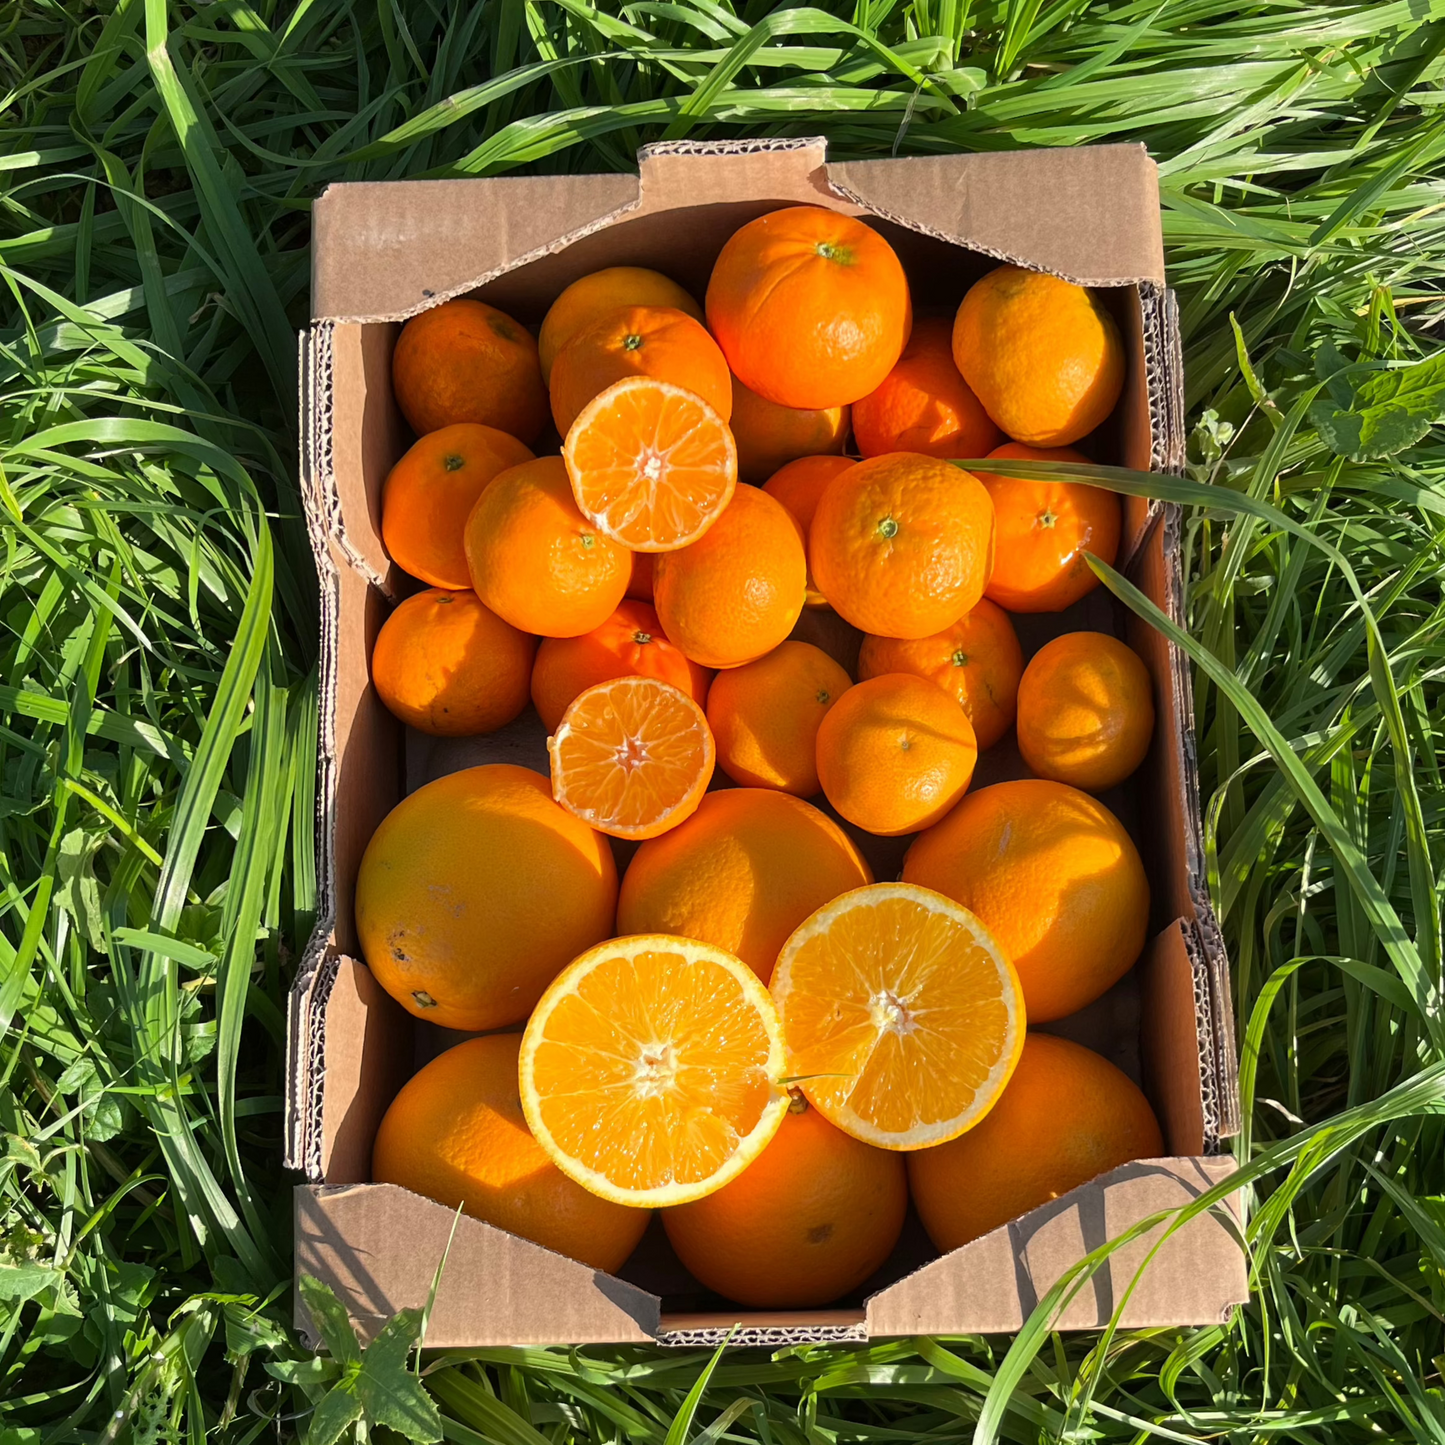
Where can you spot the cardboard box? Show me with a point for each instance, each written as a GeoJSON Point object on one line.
{"type": "Point", "coordinates": [384, 252]}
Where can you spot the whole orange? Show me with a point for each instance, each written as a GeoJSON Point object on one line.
{"type": "Point", "coordinates": [1043, 531]}
{"type": "Point", "coordinates": [769, 436]}
{"type": "Point", "coordinates": [902, 545]}
{"type": "Point", "coordinates": [1053, 876]}
{"type": "Point", "coordinates": [467, 361]}
{"type": "Point", "coordinates": [590, 297]}
{"type": "Point", "coordinates": [810, 307]}
{"type": "Point", "coordinates": [742, 873]}
{"type": "Point", "coordinates": [896, 753]}
{"type": "Point", "coordinates": [734, 594]}
{"type": "Point", "coordinates": [1065, 1117]}
{"type": "Point", "coordinates": [631, 643]}
{"type": "Point", "coordinates": [978, 660]}
{"type": "Point", "coordinates": [798, 486]}
{"type": "Point", "coordinates": [455, 1133]}
{"type": "Point", "coordinates": [923, 404]}
{"type": "Point", "coordinates": [429, 494]}
{"type": "Point", "coordinates": [536, 561]}
{"type": "Point", "coordinates": [657, 341]}
{"type": "Point", "coordinates": [1041, 354]}
{"type": "Point", "coordinates": [446, 665]}
{"type": "Point", "coordinates": [809, 1220]}
{"type": "Point", "coordinates": [765, 717]}
{"type": "Point", "coordinates": [475, 891]}
{"type": "Point", "coordinates": [1086, 711]}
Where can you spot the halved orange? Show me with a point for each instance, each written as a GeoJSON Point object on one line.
{"type": "Point", "coordinates": [632, 757]}
{"type": "Point", "coordinates": [652, 465]}
{"type": "Point", "coordinates": [902, 1018]}
{"type": "Point", "coordinates": [651, 1070]}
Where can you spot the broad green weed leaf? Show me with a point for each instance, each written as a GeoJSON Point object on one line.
{"type": "Point", "coordinates": [1389, 411]}
{"type": "Point", "coordinates": [335, 1415]}
{"type": "Point", "coordinates": [392, 1395]}
{"type": "Point", "coordinates": [329, 1317]}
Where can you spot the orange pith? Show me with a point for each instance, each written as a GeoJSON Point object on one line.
{"type": "Point", "coordinates": [652, 465]}
{"type": "Point", "coordinates": [631, 757]}
{"type": "Point", "coordinates": [901, 1016]}
{"type": "Point", "coordinates": [650, 1070]}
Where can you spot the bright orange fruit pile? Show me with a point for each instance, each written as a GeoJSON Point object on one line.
{"type": "Point", "coordinates": [746, 1030]}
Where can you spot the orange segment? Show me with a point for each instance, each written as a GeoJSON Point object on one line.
{"type": "Point", "coordinates": [632, 757]}
{"type": "Point", "coordinates": [652, 465]}
{"type": "Point", "coordinates": [650, 1070]}
{"type": "Point", "coordinates": [902, 1018]}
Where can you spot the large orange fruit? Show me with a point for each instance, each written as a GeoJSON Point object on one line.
{"type": "Point", "coordinates": [651, 1070]}
{"type": "Point", "coordinates": [810, 307]}
{"type": "Point", "coordinates": [734, 594]}
{"type": "Point", "coordinates": [631, 643]}
{"type": "Point", "coordinates": [923, 404]}
{"type": "Point", "coordinates": [1041, 354]}
{"type": "Point", "coordinates": [1043, 531]}
{"type": "Point", "coordinates": [652, 465]}
{"type": "Point", "coordinates": [1054, 877]}
{"type": "Point", "coordinates": [1086, 711]}
{"type": "Point", "coordinates": [455, 1133]}
{"type": "Point", "coordinates": [632, 757]}
{"type": "Point", "coordinates": [474, 891]}
{"type": "Point", "coordinates": [657, 341]}
{"type": "Point", "coordinates": [742, 873]}
{"type": "Point", "coordinates": [769, 436]}
{"type": "Point", "coordinates": [809, 1220]}
{"type": "Point", "coordinates": [765, 717]}
{"type": "Point", "coordinates": [536, 560]}
{"type": "Point", "coordinates": [467, 361]}
{"type": "Point", "coordinates": [429, 494]}
{"type": "Point", "coordinates": [446, 665]}
{"type": "Point", "coordinates": [902, 1017]}
{"type": "Point", "coordinates": [799, 486]}
{"type": "Point", "coordinates": [896, 753]}
{"type": "Point", "coordinates": [978, 660]}
{"type": "Point", "coordinates": [1066, 1117]}
{"type": "Point", "coordinates": [591, 297]}
{"type": "Point", "coordinates": [902, 545]}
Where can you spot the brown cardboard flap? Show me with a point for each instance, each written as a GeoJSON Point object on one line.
{"type": "Point", "coordinates": [1099, 228]}
{"type": "Point", "coordinates": [1177, 1070]}
{"type": "Point", "coordinates": [378, 1246]}
{"type": "Point", "coordinates": [992, 1285]}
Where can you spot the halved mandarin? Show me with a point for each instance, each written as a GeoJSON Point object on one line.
{"type": "Point", "coordinates": [651, 1070]}
{"type": "Point", "coordinates": [652, 465]}
{"type": "Point", "coordinates": [632, 757]}
{"type": "Point", "coordinates": [901, 1016]}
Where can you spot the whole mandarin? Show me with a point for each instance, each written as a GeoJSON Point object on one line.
{"type": "Point", "coordinates": [446, 665]}
{"type": "Point", "coordinates": [465, 361]}
{"type": "Point", "coordinates": [591, 297]}
{"type": "Point", "coordinates": [798, 486]}
{"type": "Point", "coordinates": [770, 436]}
{"type": "Point", "coordinates": [429, 494]}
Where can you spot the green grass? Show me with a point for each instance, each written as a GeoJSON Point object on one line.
{"type": "Point", "coordinates": [158, 637]}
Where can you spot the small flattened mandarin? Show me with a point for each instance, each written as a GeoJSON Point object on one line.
{"type": "Point", "coordinates": [465, 361]}
{"type": "Point", "coordinates": [734, 594]}
{"type": "Point", "coordinates": [591, 297]}
{"type": "Point", "coordinates": [455, 1133]}
{"type": "Point", "coordinates": [429, 494]}
{"type": "Point", "coordinates": [474, 891]}
{"type": "Point", "coordinates": [810, 307]}
{"type": "Point", "coordinates": [895, 754]}
{"type": "Point", "coordinates": [444, 664]}
{"type": "Point", "coordinates": [536, 561]}
{"type": "Point", "coordinates": [924, 404]}
{"type": "Point", "coordinates": [1043, 531]}
{"type": "Point", "coordinates": [978, 660]}
{"type": "Point", "coordinates": [1066, 1117]}
{"type": "Point", "coordinates": [770, 436]}
{"type": "Point", "coordinates": [1041, 354]}
{"type": "Point", "coordinates": [656, 341]}
{"type": "Point", "coordinates": [1054, 877]}
{"type": "Point", "coordinates": [1086, 711]}
{"type": "Point", "coordinates": [902, 545]}
{"type": "Point", "coordinates": [765, 717]}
